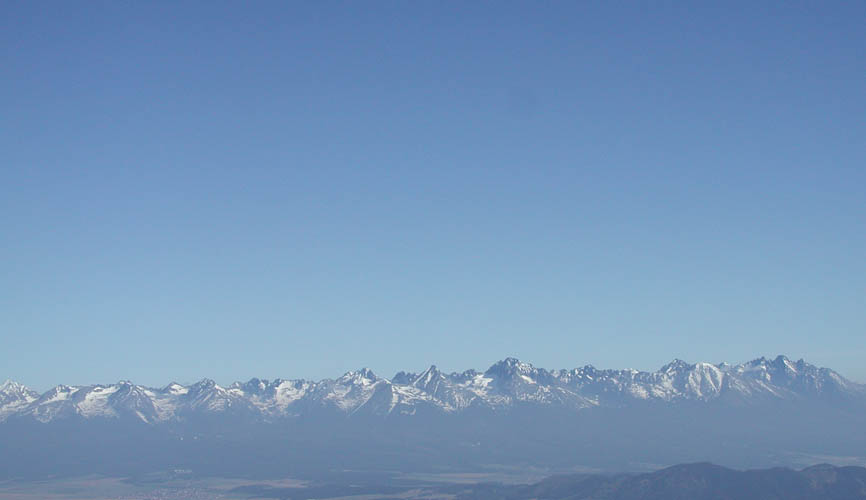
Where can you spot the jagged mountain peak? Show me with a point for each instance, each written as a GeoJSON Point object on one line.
{"type": "Point", "coordinates": [62, 388]}
{"type": "Point", "coordinates": [506, 383]}
{"type": "Point", "coordinates": [175, 389]}
{"type": "Point", "coordinates": [9, 384]}
{"type": "Point", "coordinates": [677, 365]}
{"type": "Point", "coordinates": [252, 386]}
{"type": "Point", "coordinates": [779, 364]}
{"type": "Point", "coordinates": [123, 385]}
{"type": "Point", "coordinates": [204, 384]}
{"type": "Point", "coordinates": [429, 380]}
{"type": "Point", "coordinates": [513, 363]}
{"type": "Point", "coordinates": [14, 392]}
{"type": "Point", "coordinates": [429, 373]}
{"type": "Point", "coordinates": [363, 376]}
{"type": "Point", "coordinates": [778, 360]}
{"type": "Point", "coordinates": [467, 374]}
{"type": "Point", "coordinates": [510, 366]}
{"type": "Point", "coordinates": [403, 377]}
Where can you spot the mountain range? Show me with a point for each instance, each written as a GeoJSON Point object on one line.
{"type": "Point", "coordinates": [513, 415]}
{"type": "Point", "coordinates": [506, 385]}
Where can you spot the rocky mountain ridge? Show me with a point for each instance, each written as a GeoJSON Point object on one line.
{"type": "Point", "coordinates": [506, 384]}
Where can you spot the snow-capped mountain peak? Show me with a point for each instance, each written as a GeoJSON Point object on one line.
{"type": "Point", "coordinates": [10, 387]}
{"type": "Point", "coordinates": [506, 383]}
{"type": "Point", "coordinates": [14, 396]}
{"type": "Point", "coordinates": [364, 376]}
{"type": "Point", "coordinates": [429, 376]}
{"type": "Point", "coordinates": [511, 367]}
{"type": "Point", "coordinates": [676, 366]}
{"type": "Point", "coordinates": [175, 389]}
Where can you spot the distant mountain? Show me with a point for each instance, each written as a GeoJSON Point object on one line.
{"type": "Point", "coordinates": [765, 412]}
{"type": "Point", "coordinates": [701, 481]}
{"type": "Point", "coordinates": [15, 398]}
{"type": "Point", "coordinates": [505, 385]}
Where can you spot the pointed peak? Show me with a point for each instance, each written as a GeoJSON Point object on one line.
{"type": "Point", "coordinates": [464, 375]}
{"type": "Point", "coordinates": [204, 383]}
{"type": "Point", "coordinates": [785, 364]}
{"type": "Point", "coordinates": [427, 376]}
{"type": "Point", "coordinates": [403, 377]}
{"type": "Point", "coordinates": [359, 376]}
{"type": "Point", "coordinates": [758, 361]}
{"type": "Point", "coordinates": [429, 371]}
{"type": "Point", "coordinates": [254, 385]}
{"type": "Point", "coordinates": [782, 362]}
{"type": "Point", "coordinates": [121, 387]}
{"type": "Point", "coordinates": [175, 388]}
{"type": "Point", "coordinates": [510, 366]}
{"type": "Point", "coordinates": [676, 365]}
{"type": "Point", "coordinates": [11, 385]}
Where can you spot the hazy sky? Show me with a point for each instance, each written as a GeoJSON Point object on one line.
{"type": "Point", "coordinates": [296, 189]}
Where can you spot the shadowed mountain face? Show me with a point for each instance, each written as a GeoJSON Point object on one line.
{"type": "Point", "coordinates": [700, 481]}
{"type": "Point", "coordinates": [756, 414]}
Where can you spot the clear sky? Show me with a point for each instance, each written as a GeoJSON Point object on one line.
{"type": "Point", "coordinates": [296, 189]}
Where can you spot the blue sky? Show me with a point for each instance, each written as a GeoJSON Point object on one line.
{"type": "Point", "coordinates": [209, 189]}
